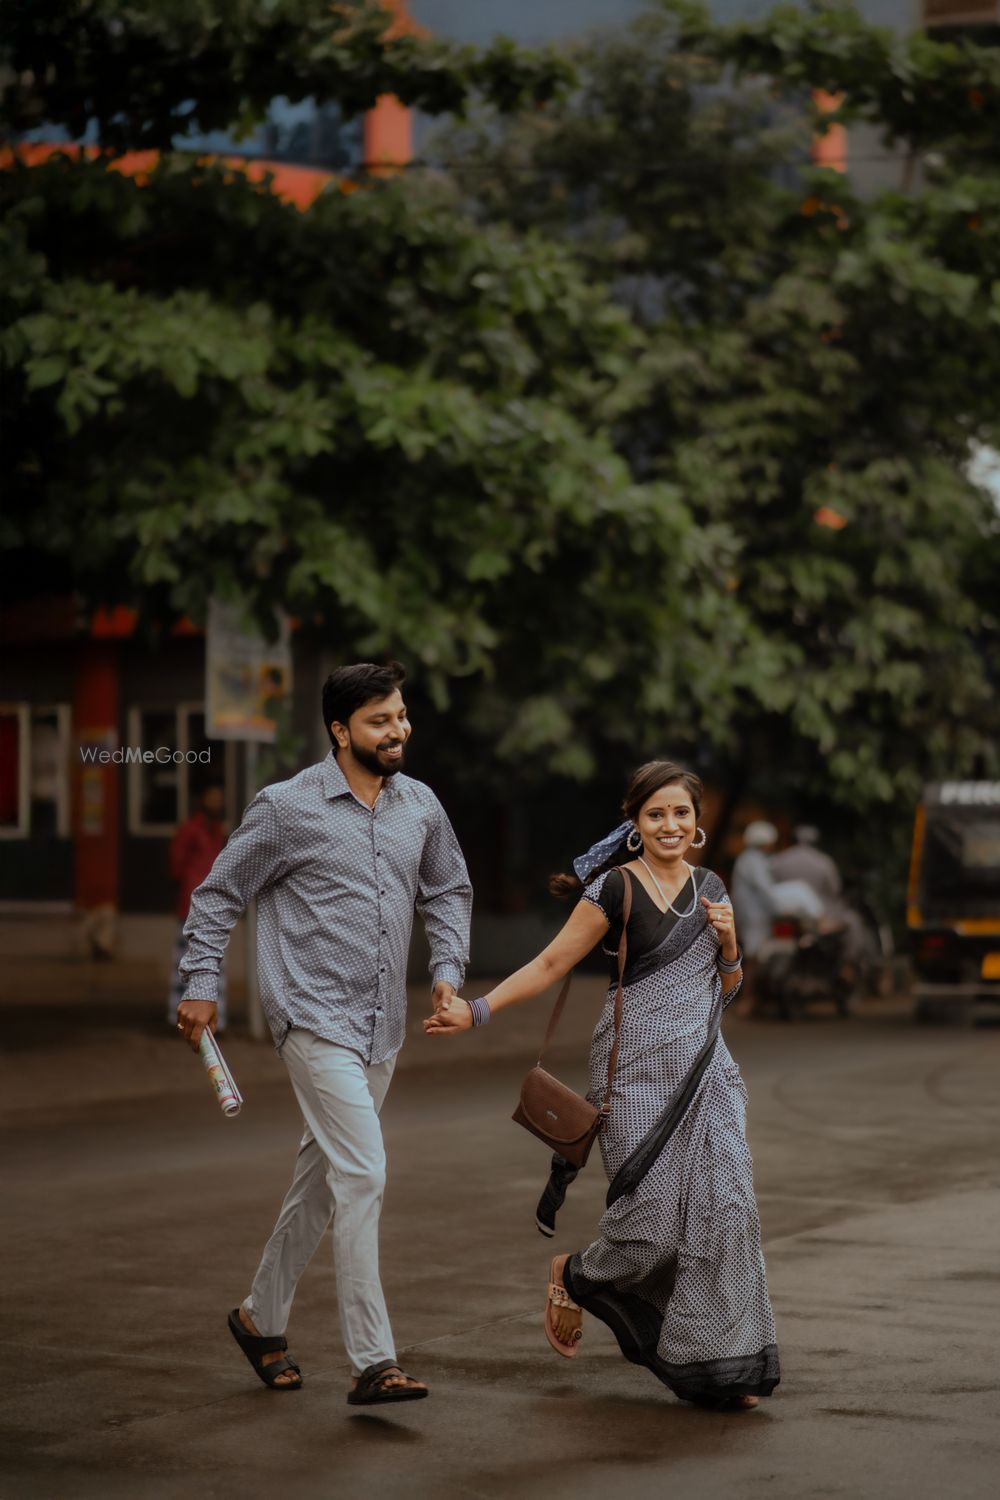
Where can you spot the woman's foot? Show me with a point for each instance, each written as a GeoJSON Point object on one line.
{"type": "Point", "coordinates": [287, 1377]}
{"type": "Point", "coordinates": [563, 1319]}
{"type": "Point", "coordinates": [727, 1403]}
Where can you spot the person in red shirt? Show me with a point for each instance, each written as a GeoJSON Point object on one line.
{"type": "Point", "coordinates": [193, 851]}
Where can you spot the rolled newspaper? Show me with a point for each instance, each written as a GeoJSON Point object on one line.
{"type": "Point", "coordinates": [229, 1097]}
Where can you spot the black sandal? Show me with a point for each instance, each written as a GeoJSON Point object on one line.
{"type": "Point", "coordinates": [372, 1390]}
{"type": "Point", "coordinates": [253, 1346]}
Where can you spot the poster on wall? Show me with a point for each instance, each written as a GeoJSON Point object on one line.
{"type": "Point", "coordinates": [247, 677]}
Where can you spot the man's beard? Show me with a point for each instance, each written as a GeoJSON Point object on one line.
{"type": "Point", "coordinates": [375, 762]}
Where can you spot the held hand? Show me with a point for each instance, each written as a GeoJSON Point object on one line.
{"type": "Point", "coordinates": [442, 992]}
{"type": "Point", "coordinates": [192, 1018]}
{"type": "Point", "coordinates": [451, 1017]}
{"type": "Point", "coordinates": [720, 915]}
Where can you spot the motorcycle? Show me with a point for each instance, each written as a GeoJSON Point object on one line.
{"type": "Point", "coordinates": [804, 961]}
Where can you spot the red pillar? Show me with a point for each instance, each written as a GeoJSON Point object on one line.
{"type": "Point", "coordinates": [830, 149]}
{"type": "Point", "coordinates": [96, 786]}
{"type": "Point", "coordinates": [388, 136]}
{"type": "Point", "coordinates": [388, 130]}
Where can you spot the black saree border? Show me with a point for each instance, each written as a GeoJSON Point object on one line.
{"type": "Point", "coordinates": [637, 1324]}
{"type": "Point", "coordinates": [720, 1379]}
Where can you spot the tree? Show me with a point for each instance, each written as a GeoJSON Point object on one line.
{"type": "Point", "coordinates": [414, 416]}
{"type": "Point", "coordinates": [140, 73]}
{"type": "Point", "coordinates": [373, 413]}
{"type": "Point", "coordinates": [816, 368]}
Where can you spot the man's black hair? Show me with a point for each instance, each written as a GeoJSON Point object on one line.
{"type": "Point", "coordinates": [350, 688]}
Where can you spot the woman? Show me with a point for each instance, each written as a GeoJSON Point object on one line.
{"type": "Point", "coordinates": [676, 1271]}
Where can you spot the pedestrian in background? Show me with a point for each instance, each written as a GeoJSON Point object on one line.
{"type": "Point", "coordinates": [805, 860]}
{"type": "Point", "coordinates": [339, 857]}
{"type": "Point", "coordinates": [753, 899]}
{"type": "Point", "coordinates": [194, 849]}
{"type": "Point", "coordinates": [677, 1271]}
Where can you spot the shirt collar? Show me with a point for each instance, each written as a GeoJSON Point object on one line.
{"type": "Point", "coordinates": [335, 782]}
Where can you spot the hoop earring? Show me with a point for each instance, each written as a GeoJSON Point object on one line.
{"type": "Point", "coordinates": [637, 836]}
{"type": "Point", "coordinates": [699, 843]}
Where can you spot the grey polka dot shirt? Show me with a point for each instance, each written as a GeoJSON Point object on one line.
{"type": "Point", "coordinates": [336, 885]}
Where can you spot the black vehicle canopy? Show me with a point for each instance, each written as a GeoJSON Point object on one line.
{"type": "Point", "coordinates": [955, 874]}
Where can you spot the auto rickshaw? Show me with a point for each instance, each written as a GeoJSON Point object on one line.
{"type": "Point", "coordinates": [953, 907]}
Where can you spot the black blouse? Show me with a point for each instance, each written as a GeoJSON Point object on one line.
{"type": "Point", "coordinates": [647, 924]}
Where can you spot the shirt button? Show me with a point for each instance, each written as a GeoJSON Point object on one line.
{"type": "Point", "coordinates": [382, 891]}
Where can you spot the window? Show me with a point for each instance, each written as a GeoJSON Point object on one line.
{"type": "Point", "coordinates": [303, 133]}
{"type": "Point", "coordinates": [300, 133]}
{"type": "Point", "coordinates": [163, 788]}
{"type": "Point", "coordinates": [15, 803]}
{"type": "Point", "coordinates": [34, 770]}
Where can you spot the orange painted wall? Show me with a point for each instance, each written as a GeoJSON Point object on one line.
{"type": "Point", "coordinates": [298, 185]}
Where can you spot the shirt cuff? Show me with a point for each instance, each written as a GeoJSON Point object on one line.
{"type": "Point", "coordinates": [202, 986]}
{"type": "Point", "coordinates": [448, 973]}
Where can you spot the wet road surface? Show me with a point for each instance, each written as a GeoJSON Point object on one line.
{"type": "Point", "coordinates": [135, 1215]}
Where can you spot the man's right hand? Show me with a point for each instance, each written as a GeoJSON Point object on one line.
{"type": "Point", "coordinates": [192, 1018]}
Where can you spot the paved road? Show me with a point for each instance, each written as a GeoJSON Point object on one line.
{"type": "Point", "coordinates": [135, 1214]}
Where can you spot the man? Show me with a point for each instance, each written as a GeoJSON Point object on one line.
{"type": "Point", "coordinates": [753, 901]}
{"type": "Point", "coordinates": [804, 860]}
{"type": "Point", "coordinates": [338, 857]}
{"type": "Point", "coordinates": [194, 849]}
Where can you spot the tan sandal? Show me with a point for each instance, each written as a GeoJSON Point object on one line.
{"type": "Point", "coordinates": [559, 1297]}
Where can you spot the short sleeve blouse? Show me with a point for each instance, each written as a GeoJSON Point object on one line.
{"type": "Point", "coordinates": [606, 894]}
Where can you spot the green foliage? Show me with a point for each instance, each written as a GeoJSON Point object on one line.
{"type": "Point", "coordinates": [722, 511]}
{"type": "Point", "coordinates": [808, 352]}
{"type": "Point", "coordinates": [919, 91]}
{"type": "Point", "coordinates": [147, 70]}
{"type": "Point", "coordinates": [387, 420]}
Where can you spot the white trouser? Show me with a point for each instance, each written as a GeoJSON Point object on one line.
{"type": "Point", "coordinates": [339, 1174]}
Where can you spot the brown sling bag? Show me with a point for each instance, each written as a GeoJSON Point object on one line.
{"type": "Point", "coordinates": [562, 1119]}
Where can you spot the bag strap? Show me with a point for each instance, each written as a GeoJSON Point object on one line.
{"type": "Point", "coordinates": [557, 1009]}
{"type": "Point", "coordinates": [619, 994]}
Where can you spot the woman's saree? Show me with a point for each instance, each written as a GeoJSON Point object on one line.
{"type": "Point", "coordinates": [677, 1271]}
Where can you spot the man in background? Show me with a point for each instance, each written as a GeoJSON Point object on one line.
{"type": "Point", "coordinates": [194, 849]}
{"type": "Point", "coordinates": [752, 888]}
{"type": "Point", "coordinates": [804, 860]}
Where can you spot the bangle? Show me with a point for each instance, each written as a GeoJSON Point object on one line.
{"type": "Point", "coordinates": [481, 1012]}
{"type": "Point", "coordinates": [730, 965]}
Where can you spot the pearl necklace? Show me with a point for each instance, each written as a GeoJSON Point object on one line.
{"type": "Point", "coordinates": [663, 897]}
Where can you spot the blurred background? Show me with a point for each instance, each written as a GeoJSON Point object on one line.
{"type": "Point", "coordinates": [628, 370]}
